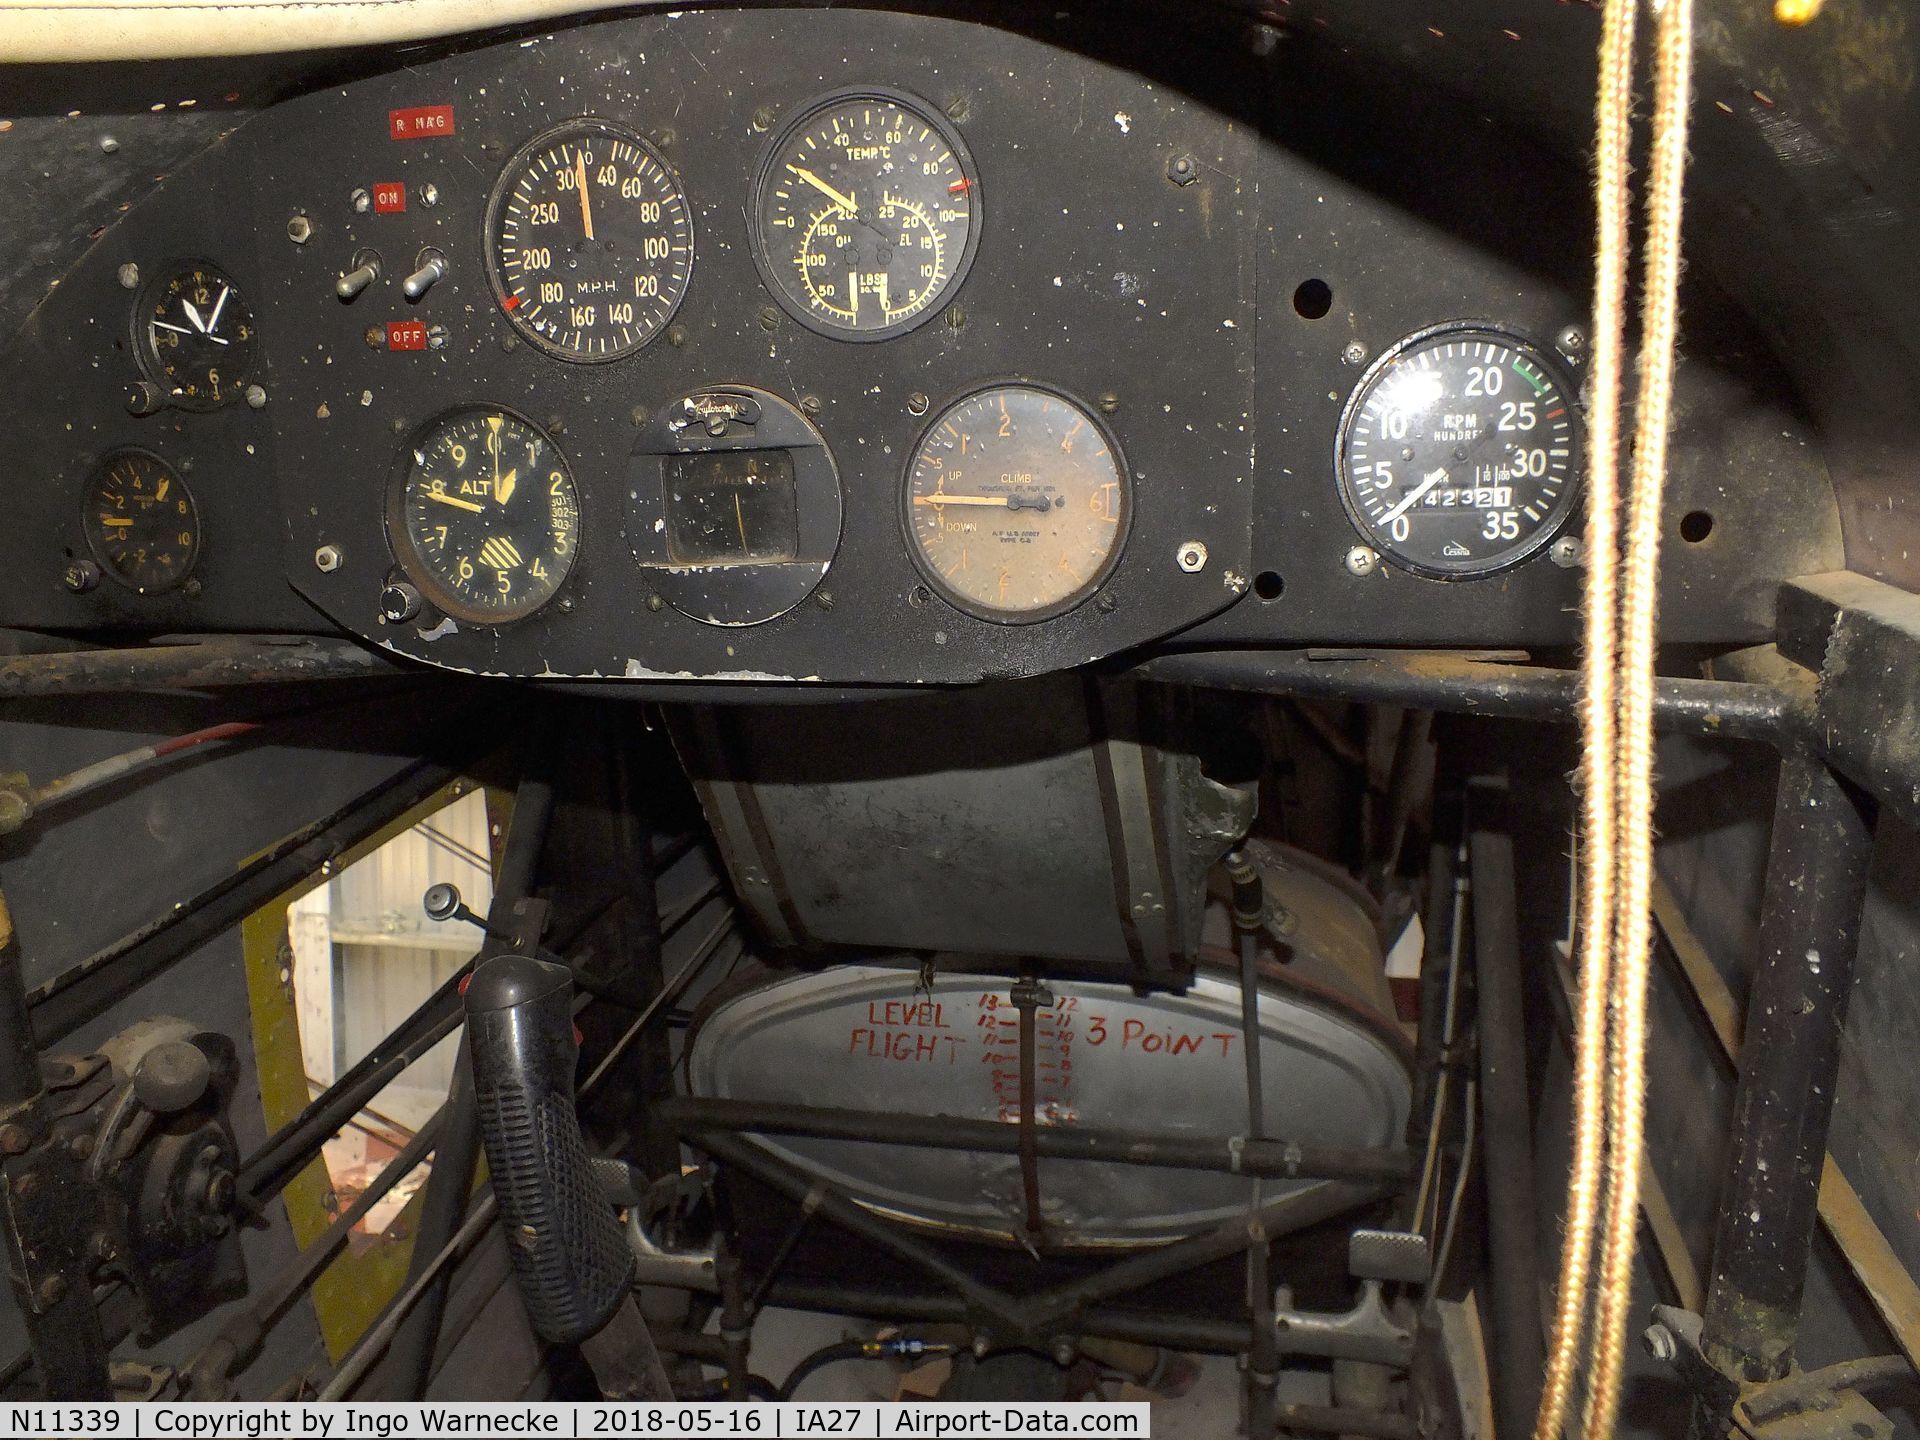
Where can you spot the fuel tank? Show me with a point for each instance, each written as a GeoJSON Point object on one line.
{"type": "Point", "coordinates": [944, 1042]}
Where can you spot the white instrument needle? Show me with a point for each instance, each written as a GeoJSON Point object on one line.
{"type": "Point", "coordinates": [1413, 496]}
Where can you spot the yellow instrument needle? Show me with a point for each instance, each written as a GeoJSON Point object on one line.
{"type": "Point", "coordinates": [580, 184]}
{"type": "Point", "coordinates": [454, 500]}
{"type": "Point", "coordinates": [845, 202]}
{"type": "Point", "coordinates": [1000, 500]}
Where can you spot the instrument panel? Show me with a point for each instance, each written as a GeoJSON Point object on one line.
{"type": "Point", "coordinates": [863, 364]}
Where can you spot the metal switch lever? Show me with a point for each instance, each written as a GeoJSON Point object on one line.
{"type": "Point", "coordinates": [432, 269]}
{"type": "Point", "coordinates": [366, 270]}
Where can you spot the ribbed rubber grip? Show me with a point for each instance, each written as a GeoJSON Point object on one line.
{"type": "Point", "coordinates": [568, 1253]}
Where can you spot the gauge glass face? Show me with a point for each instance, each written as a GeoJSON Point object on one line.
{"type": "Point", "coordinates": [867, 210]}
{"type": "Point", "coordinates": [195, 337]}
{"type": "Point", "coordinates": [1017, 504]}
{"type": "Point", "coordinates": [1460, 453]}
{"type": "Point", "coordinates": [484, 516]}
{"type": "Point", "coordinates": [589, 242]}
{"type": "Point", "coordinates": [141, 522]}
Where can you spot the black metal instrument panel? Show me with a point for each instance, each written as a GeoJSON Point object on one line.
{"type": "Point", "coordinates": [1210, 292]}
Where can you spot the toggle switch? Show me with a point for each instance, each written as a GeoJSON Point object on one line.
{"type": "Point", "coordinates": [366, 270]}
{"type": "Point", "coordinates": [432, 268]}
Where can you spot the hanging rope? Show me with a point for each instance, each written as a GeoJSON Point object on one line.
{"type": "Point", "coordinates": [1603, 1193]}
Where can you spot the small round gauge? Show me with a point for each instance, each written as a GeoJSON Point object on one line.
{"type": "Point", "coordinates": [866, 211]}
{"type": "Point", "coordinates": [589, 241]}
{"type": "Point", "coordinates": [483, 516]}
{"type": "Point", "coordinates": [193, 334]}
{"type": "Point", "coordinates": [1459, 453]}
{"type": "Point", "coordinates": [141, 522]}
{"type": "Point", "coordinates": [1017, 503]}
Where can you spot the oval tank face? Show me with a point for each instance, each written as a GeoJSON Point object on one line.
{"type": "Point", "coordinates": [879, 1038]}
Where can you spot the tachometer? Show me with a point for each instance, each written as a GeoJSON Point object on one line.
{"type": "Point", "coordinates": [483, 516]}
{"type": "Point", "coordinates": [1017, 503]}
{"type": "Point", "coordinates": [1459, 453]}
{"type": "Point", "coordinates": [589, 241]}
{"type": "Point", "coordinates": [866, 212]}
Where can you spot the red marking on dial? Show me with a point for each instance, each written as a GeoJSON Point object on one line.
{"type": "Point", "coordinates": [962, 186]}
{"type": "Point", "coordinates": [512, 302]}
{"type": "Point", "coordinates": [1556, 414]}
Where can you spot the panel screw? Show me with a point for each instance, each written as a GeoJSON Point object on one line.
{"type": "Point", "coordinates": [1109, 403]}
{"type": "Point", "coordinates": [655, 603]}
{"type": "Point", "coordinates": [823, 598]}
{"type": "Point", "coordinates": [1353, 353]}
{"type": "Point", "coordinates": [956, 317]}
{"type": "Point", "coordinates": [436, 337]}
{"type": "Point", "coordinates": [676, 335]}
{"type": "Point", "coordinates": [918, 596]}
{"type": "Point", "coordinates": [129, 275]}
{"type": "Point", "coordinates": [80, 576]}
{"type": "Point", "coordinates": [1181, 170]}
{"type": "Point", "coordinates": [917, 404]}
{"type": "Point", "coordinates": [190, 587]}
{"type": "Point", "coordinates": [429, 195]}
{"type": "Point", "coordinates": [1362, 560]}
{"type": "Point", "coordinates": [397, 425]}
{"type": "Point", "coordinates": [809, 404]}
{"type": "Point", "coordinates": [557, 424]}
{"type": "Point", "coordinates": [1105, 603]}
{"type": "Point", "coordinates": [299, 229]}
{"type": "Point", "coordinates": [257, 397]}
{"type": "Point", "coordinates": [108, 144]}
{"type": "Point", "coordinates": [769, 318]}
{"type": "Point", "coordinates": [327, 559]}
{"type": "Point", "coordinates": [959, 109]}
{"type": "Point", "coordinates": [1571, 342]}
{"type": "Point", "coordinates": [1191, 557]}
{"type": "Point", "coordinates": [361, 201]}
{"type": "Point", "coordinates": [1567, 552]}
{"type": "Point", "coordinates": [639, 415]}
{"type": "Point", "coordinates": [509, 343]}
{"type": "Point", "coordinates": [374, 336]}
{"type": "Point", "coordinates": [763, 119]}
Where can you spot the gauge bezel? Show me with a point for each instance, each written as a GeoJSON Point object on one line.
{"type": "Point", "coordinates": [929, 115]}
{"type": "Point", "coordinates": [931, 575]}
{"type": "Point", "coordinates": [1549, 529]}
{"type": "Point", "coordinates": [95, 473]}
{"type": "Point", "coordinates": [146, 352]}
{"type": "Point", "coordinates": [496, 199]}
{"type": "Point", "coordinates": [406, 554]}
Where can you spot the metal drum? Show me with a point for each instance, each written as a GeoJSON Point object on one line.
{"type": "Point", "coordinates": [872, 1037]}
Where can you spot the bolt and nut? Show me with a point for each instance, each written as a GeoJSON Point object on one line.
{"type": "Point", "coordinates": [1362, 560]}
{"type": "Point", "coordinates": [1660, 1343]}
{"type": "Point", "coordinates": [299, 229]}
{"type": "Point", "coordinates": [1182, 170]}
{"type": "Point", "coordinates": [1191, 557]}
{"type": "Point", "coordinates": [327, 559]}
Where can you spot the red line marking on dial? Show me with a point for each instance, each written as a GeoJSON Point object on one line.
{"type": "Point", "coordinates": [512, 302]}
{"type": "Point", "coordinates": [1556, 414]}
{"type": "Point", "coordinates": [962, 186]}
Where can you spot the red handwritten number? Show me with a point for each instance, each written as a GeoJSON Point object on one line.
{"type": "Point", "coordinates": [1096, 1029]}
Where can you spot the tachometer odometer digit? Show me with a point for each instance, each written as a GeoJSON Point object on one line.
{"type": "Point", "coordinates": [589, 241]}
{"type": "Point", "coordinates": [1460, 452]}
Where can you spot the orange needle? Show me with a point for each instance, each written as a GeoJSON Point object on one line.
{"type": "Point", "coordinates": [580, 184]}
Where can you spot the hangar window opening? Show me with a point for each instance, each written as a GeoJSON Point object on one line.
{"type": "Point", "coordinates": [364, 956]}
